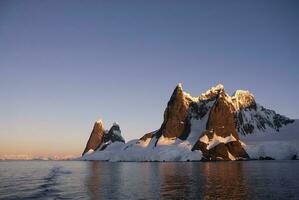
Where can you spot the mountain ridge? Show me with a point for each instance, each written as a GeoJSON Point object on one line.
{"type": "Point", "coordinates": [209, 125]}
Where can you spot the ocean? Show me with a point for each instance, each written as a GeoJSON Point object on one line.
{"type": "Point", "coordinates": [149, 180]}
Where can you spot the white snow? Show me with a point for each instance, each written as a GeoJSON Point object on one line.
{"type": "Point", "coordinates": [167, 149]}
{"type": "Point", "coordinates": [186, 94]}
{"type": "Point", "coordinates": [115, 124]}
{"type": "Point", "coordinates": [136, 150]}
{"type": "Point", "coordinates": [99, 121]}
{"type": "Point", "coordinates": [250, 117]}
{"type": "Point", "coordinates": [144, 143]}
{"type": "Point", "coordinates": [166, 141]}
{"type": "Point", "coordinates": [199, 125]}
{"type": "Point", "coordinates": [117, 132]}
{"type": "Point", "coordinates": [218, 139]}
{"type": "Point", "coordinates": [242, 98]}
{"type": "Point", "coordinates": [278, 145]}
{"type": "Point", "coordinates": [90, 151]}
{"type": "Point", "coordinates": [204, 139]}
{"type": "Point", "coordinates": [279, 150]}
{"type": "Point", "coordinates": [212, 91]}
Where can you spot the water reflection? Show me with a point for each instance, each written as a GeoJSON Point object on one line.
{"type": "Point", "coordinates": [223, 180]}
{"type": "Point", "coordinates": [210, 180]}
{"type": "Point", "coordinates": [176, 182]}
{"type": "Point", "coordinates": [202, 180]}
{"type": "Point", "coordinates": [104, 180]}
{"type": "Point", "coordinates": [93, 180]}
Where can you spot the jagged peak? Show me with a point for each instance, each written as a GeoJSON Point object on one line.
{"type": "Point", "coordinates": [99, 121]}
{"type": "Point", "coordinates": [239, 99]}
{"type": "Point", "coordinates": [99, 124]}
{"type": "Point", "coordinates": [179, 85]}
{"type": "Point", "coordinates": [115, 130]}
{"type": "Point", "coordinates": [242, 99]}
{"type": "Point", "coordinates": [212, 92]}
{"type": "Point", "coordinates": [178, 90]}
{"type": "Point", "coordinates": [185, 96]}
{"type": "Point", "coordinates": [242, 93]}
{"type": "Point", "coordinates": [115, 124]}
{"type": "Point", "coordinates": [218, 87]}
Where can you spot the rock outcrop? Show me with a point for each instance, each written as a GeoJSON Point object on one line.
{"type": "Point", "coordinates": [215, 147]}
{"type": "Point", "coordinates": [243, 99]}
{"type": "Point", "coordinates": [114, 134]}
{"type": "Point", "coordinates": [111, 136]}
{"type": "Point", "coordinates": [221, 119]}
{"type": "Point", "coordinates": [175, 114]}
{"type": "Point", "coordinates": [147, 136]}
{"type": "Point", "coordinates": [96, 137]}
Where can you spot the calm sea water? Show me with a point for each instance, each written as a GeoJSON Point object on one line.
{"type": "Point", "coordinates": [149, 180]}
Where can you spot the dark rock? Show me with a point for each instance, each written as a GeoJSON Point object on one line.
{"type": "Point", "coordinates": [265, 158]}
{"type": "Point", "coordinates": [236, 149]}
{"type": "Point", "coordinates": [294, 157]}
{"type": "Point", "coordinates": [114, 134]}
{"type": "Point", "coordinates": [220, 151]}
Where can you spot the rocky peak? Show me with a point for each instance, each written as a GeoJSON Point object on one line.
{"type": "Point", "coordinates": [243, 99]}
{"type": "Point", "coordinates": [115, 129]}
{"type": "Point", "coordinates": [99, 124]}
{"type": "Point", "coordinates": [222, 118]}
{"type": "Point", "coordinates": [114, 134]}
{"type": "Point", "coordinates": [216, 147]}
{"type": "Point", "coordinates": [213, 92]}
{"type": "Point", "coordinates": [175, 113]}
{"type": "Point", "coordinates": [96, 137]}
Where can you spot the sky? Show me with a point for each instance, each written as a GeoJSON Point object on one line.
{"type": "Point", "coordinates": [66, 64]}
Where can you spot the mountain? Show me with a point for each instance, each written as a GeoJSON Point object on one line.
{"type": "Point", "coordinates": [207, 127]}
{"type": "Point", "coordinates": [100, 138]}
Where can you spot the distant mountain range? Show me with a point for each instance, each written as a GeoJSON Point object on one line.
{"type": "Point", "coordinates": [208, 127]}
{"type": "Point", "coordinates": [24, 157]}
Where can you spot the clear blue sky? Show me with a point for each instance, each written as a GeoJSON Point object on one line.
{"type": "Point", "coordinates": [64, 64]}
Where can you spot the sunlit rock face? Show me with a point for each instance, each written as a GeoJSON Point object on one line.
{"type": "Point", "coordinates": [101, 138]}
{"type": "Point", "coordinates": [221, 118]}
{"type": "Point", "coordinates": [221, 138]}
{"type": "Point", "coordinates": [96, 137]}
{"type": "Point", "coordinates": [226, 116]}
{"type": "Point", "coordinates": [212, 93]}
{"type": "Point", "coordinates": [243, 99]}
{"type": "Point", "coordinates": [148, 136]}
{"type": "Point", "coordinates": [175, 114]}
{"type": "Point", "coordinates": [215, 147]}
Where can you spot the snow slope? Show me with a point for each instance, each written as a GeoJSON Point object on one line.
{"type": "Point", "coordinates": [136, 150]}
{"type": "Point", "coordinates": [282, 144]}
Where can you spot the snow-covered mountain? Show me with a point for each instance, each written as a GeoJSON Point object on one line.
{"type": "Point", "coordinates": [207, 127]}
{"type": "Point", "coordinates": [100, 138]}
